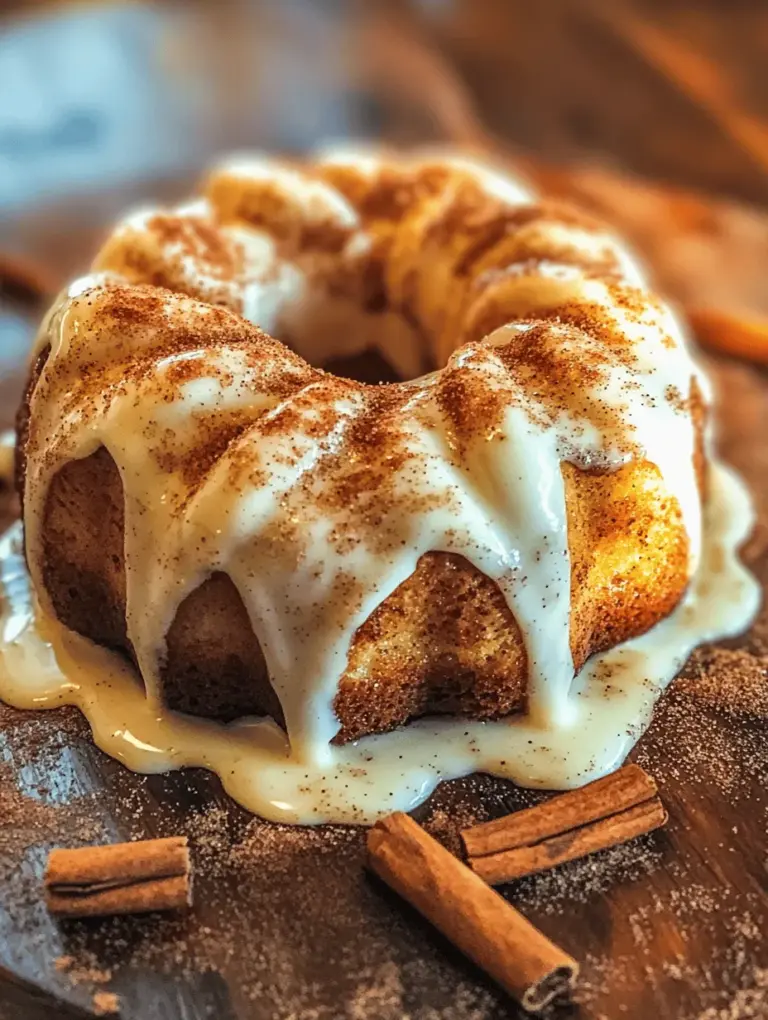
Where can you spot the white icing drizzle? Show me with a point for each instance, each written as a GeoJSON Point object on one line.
{"type": "Point", "coordinates": [44, 665]}
{"type": "Point", "coordinates": [264, 511]}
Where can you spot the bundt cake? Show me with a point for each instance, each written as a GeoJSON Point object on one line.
{"type": "Point", "coordinates": [263, 537]}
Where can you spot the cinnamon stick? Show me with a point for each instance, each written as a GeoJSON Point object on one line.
{"type": "Point", "coordinates": [469, 913]}
{"type": "Point", "coordinates": [123, 878]}
{"type": "Point", "coordinates": [602, 814]}
{"type": "Point", "coordinates": [527, 860]}
{"type": "Point", "coordinates": [730, 333]}
{"type": "Point", "coordinates": [25, 281]}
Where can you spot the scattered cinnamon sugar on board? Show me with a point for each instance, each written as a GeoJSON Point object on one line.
{"type": "Point", "coordinates": [84, 969]}
{"type": "Point", "coordinates": [105, 1003]}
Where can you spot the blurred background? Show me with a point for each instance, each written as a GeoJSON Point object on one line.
{"type": "Point", "coordinates": [654, 112]}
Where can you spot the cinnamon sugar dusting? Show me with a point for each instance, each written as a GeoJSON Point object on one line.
{"type": "Point", "coordinates": [728, 679]}
{"type": "Point", "coordinates": [199, 239]}
{"type": "Point", "coordinates": [187, 254]}
{"type": "Point", "coordinates": [479, 225]}
{"type": "Point", "coordinates": [266, 203]}
{"type": "Point", "coordinates": [319, 497]}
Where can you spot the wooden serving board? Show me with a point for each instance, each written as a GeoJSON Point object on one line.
{"type": "Point", "coordinates": [287, 924]}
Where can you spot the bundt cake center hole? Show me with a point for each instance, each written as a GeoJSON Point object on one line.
{"type": "Point", "coordinates": [369, 366]}
{"type": "Point", "coordinates": [369, 342]}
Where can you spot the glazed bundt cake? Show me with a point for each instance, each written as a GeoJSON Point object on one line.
{"type": "Point", "coordinates": [264, 537]}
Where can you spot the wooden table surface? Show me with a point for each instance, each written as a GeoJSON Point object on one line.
{"type": "Point", "coordinates": [286, 923]}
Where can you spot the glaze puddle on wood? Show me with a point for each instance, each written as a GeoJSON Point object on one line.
{"type": "Point", "coordinates": [43, 665]}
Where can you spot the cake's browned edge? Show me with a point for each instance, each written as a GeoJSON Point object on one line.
{"type": "Point", "coordinates": [444, 641]}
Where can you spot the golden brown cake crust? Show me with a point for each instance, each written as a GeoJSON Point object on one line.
{"type": "Point", "coordinates": [445, 640]}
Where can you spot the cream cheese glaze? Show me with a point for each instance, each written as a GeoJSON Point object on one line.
{"type": "Point", "coordinates": [278, 510]}
{"type": "Point", "coordinates": [44, 665]}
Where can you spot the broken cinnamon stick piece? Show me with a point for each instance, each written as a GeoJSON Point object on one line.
{"type": "Point", "coordinates": [730, 333]}
{"type": "Point", "coordinates": [527, 860]}
{"type": "Point", "coordinates": [469, 913]}
{"type": "Point", "coordinates": [623, 789]}
{"type": "Point", "coordinates": [123, 878]}
{"type": "Point", "coordinates": [602, 814]}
